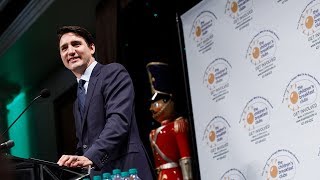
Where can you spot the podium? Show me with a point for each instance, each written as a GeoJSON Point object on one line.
{"type": "Point", "coordinates": [36, 169]}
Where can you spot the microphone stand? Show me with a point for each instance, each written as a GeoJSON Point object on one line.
{"type": "Point", "coordinates": [20, 115]}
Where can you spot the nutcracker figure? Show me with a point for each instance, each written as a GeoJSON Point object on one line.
{"type": "Point", "coordinates": [170, 142]}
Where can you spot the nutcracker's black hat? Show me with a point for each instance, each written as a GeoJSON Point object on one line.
{"type": "Point", "coordinates": [160, 80]}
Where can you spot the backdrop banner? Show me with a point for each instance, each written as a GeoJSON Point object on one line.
{"type": "Point", "coordinates": [254, 71]}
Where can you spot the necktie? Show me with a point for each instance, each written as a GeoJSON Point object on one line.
{"type": "Point", "coordinates": [81, 93]}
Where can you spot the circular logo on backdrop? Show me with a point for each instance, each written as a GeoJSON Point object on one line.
{"type": "Point", "coordinates": [256, 119]}
{"type": "Point", "coordinates": [309, 23]}
{"type": "Point", "coordinates": [240, 11]}
{"type": "Point", "coordinates": [301, 93]}
{"type": "Point", "coordinates": [262, 52]}
{"type": "Point", "coordinates": [301, 97]}
{"type": "Point", "coordinates": [233, 174]}
{"type": "Point", "coordinates": [281, 165]}
{"type": "Point", "coordinates": [216, 79]}
{"type": "Point", "coordinates": [202, 31]}
{"type": "Point", "coordinates": [232, 8]}
{"type": "Point", "coordinates": [216, 136]}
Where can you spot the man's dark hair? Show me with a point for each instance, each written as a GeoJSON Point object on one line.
{"type": "Point", "coordinates": [80, 31]}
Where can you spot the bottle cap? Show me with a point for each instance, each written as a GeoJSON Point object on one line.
{"type": "Point", "coordinates": [116, 171]}
{"type": "Point", "coordinates": [133, 171]}
{"type": "Point", "coordinates": [96, 177]}
{"type": "Point", "coordinates": [124, 174]}
{"type": "Point", "coordinates": [106, 175]}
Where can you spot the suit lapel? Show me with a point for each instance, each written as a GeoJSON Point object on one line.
{"type": "Point", "coordinates": [92, 83]}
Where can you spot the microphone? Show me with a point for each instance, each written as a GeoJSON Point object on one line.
{"type": "Point", "coordinates": [7, 145]}
{"type": "Point", "coordinates": [44, 93]}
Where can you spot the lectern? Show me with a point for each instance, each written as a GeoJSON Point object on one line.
{"type": "Point", "coordinates": [36, 169]}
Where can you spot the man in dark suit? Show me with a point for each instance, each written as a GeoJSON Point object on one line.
{"type": "Point", "coordinates": [106, 128]}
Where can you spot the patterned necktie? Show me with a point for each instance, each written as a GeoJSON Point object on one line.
{"type": "Point", "coordinates": [81, 93]}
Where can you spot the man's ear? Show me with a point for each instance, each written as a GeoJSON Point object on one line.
{"type": "Point", "coordinates": [92, 48]}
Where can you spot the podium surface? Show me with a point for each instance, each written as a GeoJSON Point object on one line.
{"type": "Point", "coordinates": [37, 169]}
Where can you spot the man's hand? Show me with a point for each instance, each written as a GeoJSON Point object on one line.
{"type": "Point", "coordinates": [74, 161]}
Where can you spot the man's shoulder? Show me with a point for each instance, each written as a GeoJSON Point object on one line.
{"type": "Point", "coordinates": [113, 70]}
{"type": "Point", "coordinates": [113, 66]}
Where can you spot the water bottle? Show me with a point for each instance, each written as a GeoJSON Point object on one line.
{"type": "Point", "coordinates": [106, 176]}
{"type": "Point", "coordinates": [97, 177]}
{"type": "Point", "coordinates": [116, 174]}
{"type": "Point", "coordinates": [134, 174]}
{"type": "Point", "coordinates": [124, 175]}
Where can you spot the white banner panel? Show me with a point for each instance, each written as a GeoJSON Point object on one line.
{"type": "Point", "coordinates": [254, 70]}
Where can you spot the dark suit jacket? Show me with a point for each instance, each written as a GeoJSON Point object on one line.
{"type": "Point", "coordinates": [108, 134]}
